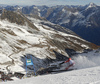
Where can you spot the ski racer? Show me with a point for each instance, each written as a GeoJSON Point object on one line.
{"type": "Point", "coordinates": [70, 63]}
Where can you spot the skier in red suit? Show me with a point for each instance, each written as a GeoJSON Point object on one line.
{"type": "Point", "coordinates": [70, 62]}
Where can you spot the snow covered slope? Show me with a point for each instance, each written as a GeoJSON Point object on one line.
{"type": "Point", "coordinates": [89, 74]}
{"type": "Point", "coordinates": [83, 76]}
{"type": "Point", "coordinates": [21, 35]}
{"type": "Point", "coordinates": [83, 20]}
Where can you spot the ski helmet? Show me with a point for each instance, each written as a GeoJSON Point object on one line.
{"type": "Point", "coordinates": [69, 59]}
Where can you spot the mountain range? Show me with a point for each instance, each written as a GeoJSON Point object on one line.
{"type": "Point", "coordinates": [83, 20]}
{"type": "Point", "coordinates": [50, 35]}
{"type": "Point", "coordinates": [46, 42]}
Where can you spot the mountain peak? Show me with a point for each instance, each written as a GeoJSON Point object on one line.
{"type": "Point", "coordinates": [91, 5]}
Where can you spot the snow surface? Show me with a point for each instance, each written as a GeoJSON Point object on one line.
{"type": "Point", "coordinates": [83, 76]}
{"type": "Point", "coordinates": [87, 72]}
{"type": "Point", "coordinates": [4, 58]}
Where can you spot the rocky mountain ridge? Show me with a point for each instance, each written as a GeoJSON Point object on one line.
{"type": "Point", "coordinates": [83, 20]}
{"type": "Point", "coordinates": [45, 41]}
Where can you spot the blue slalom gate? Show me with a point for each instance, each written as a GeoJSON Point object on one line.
{"type": "Point", "coordinates": [29, 62]}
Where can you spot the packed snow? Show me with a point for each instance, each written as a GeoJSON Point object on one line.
{"type": "Point", "coordinates": [83, 76]}
{"type": "Point", "coordinates": [87, 71]}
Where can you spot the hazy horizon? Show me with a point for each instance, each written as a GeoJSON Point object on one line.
{"type": "Point", "coordinates": [48, 2]}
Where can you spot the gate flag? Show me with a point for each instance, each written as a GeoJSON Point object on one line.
{"type": "Point", "coordinates": [29, 62]}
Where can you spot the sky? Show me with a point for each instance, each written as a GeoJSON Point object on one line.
{"type": "Point", "coordinates": [48, 2]}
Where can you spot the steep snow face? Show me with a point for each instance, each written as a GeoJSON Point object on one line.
{"type": "Point", "coordinates": [43, 42]}
{"type": "Point", "coordinates": [17, 40]}
{"type": "Point", "coordinates": [83, 20]}
{"type": "Point", "coordinates": [50, 30]}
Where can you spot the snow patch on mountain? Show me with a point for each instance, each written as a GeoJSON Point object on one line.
{"type": "Point", "coordinates": [4, 58]}
{"type": "Point", "coordinates": [91, 5]}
